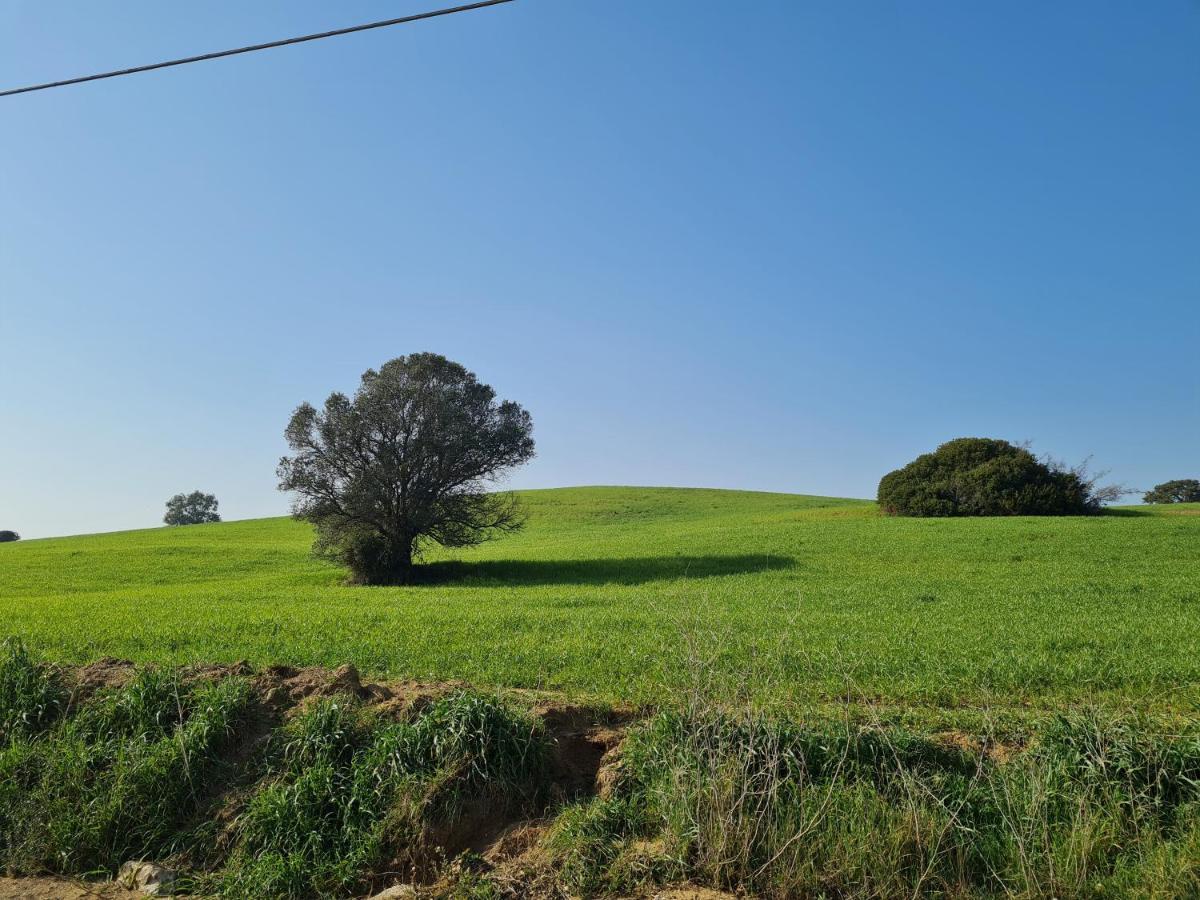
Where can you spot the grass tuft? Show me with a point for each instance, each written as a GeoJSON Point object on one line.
{"type": "Point", "coordinates": [32, 695]}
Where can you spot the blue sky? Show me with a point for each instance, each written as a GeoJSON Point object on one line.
{"type": "Point", "coordinates": [783, 245]}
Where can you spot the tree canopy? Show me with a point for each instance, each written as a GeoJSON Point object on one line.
{"type": "Point", "coordinates": [989, 477]}
{"type": "Point", "coordinates": [7, 537]}
{"type": "Point", "coordinates": [407, 461]}
{"type": "Point", "coordinates": [1181, 490]}
{"type": "Point", "coordinates": [196, 508]}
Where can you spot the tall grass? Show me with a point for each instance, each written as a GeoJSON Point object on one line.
{"type": "Point", "coordinates": [778, 808]}
{"type": "Point", "coordinates": [31, 693]}
{"type": "Point", "coordinates": [349, 796]}
{"type": "Point", "coordinates": [124, 778]}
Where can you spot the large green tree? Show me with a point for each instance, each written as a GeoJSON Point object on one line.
{"type": "Point", "coordinates": [407, 461]}
{"type": "Point", "coordinates": [1181, 490]}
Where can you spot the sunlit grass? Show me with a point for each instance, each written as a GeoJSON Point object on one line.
{"type": "Point", "coordinates": [605, 584]}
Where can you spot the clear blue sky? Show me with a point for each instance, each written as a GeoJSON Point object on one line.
{"type": "Point", "coordinates": [775, 245]}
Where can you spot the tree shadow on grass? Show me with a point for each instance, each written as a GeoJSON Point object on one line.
{"type": "Point", "coordinates": [627, 570]}
{"type": "Point", "coordinates": [1125, 512]}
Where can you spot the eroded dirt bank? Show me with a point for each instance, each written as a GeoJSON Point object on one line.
{"type": "Point", "coordinates": [490, 834]}
{"type": "Point", "coordinates": [277, 782]}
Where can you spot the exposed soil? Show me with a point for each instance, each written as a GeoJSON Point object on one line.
{"type": "Point", "coordinates": [996, 751]}
{"type": "Point", "coordinates": [583, 738]}
{"type": "Point", "coordinates": [61, 889]}
{"type": "Point", "coordinates": [284, 688]}
{"type": "Point", "coordinates": [103, 673]}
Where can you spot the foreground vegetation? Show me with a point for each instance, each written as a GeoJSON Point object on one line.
{"type": "Point", "coordinates": [611, 591]}
{"type": "Point", "coordinates": [779, 808]}
{"type": "Point", "coordinates": [250, 786]}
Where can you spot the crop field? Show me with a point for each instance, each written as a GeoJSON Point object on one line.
{"type": "Point", "coordinates": [645, 688]}
{"type": "Point", "coordinates": [619, 593]}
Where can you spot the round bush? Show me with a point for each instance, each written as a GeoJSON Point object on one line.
{"type": "Point", "coordinates": [984, 477]}
{"type": "Point", "coordinates": [8, 536]}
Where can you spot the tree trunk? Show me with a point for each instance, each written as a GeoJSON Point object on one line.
{"type": "Point", "coordinates": [402, 560]}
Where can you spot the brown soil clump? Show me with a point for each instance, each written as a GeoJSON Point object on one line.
{"type": "Point", "coordinates": [105, 673]}
{"type": "Point", "coordinates": [62, 889]}
{"type": "Point", "coordinates": [693, 893]}
{"type": "Point", "coordinates": [978, 745]}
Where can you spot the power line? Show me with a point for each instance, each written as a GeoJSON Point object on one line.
{"type": "Point", "coordinates": [253, 47]}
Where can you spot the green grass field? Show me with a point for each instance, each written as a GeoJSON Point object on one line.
{"type": "Point", "coordinates": [615, 592]}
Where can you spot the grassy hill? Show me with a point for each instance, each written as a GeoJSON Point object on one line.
{"type": "Point", "coordinates": [620, 592]}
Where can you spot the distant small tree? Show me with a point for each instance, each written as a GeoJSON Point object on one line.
{"type": "Point", "coordinates": [1182, 490]}
{"type": "Point", "coordinates": [195, 508]}
{"type": "Point", "coordinates": [406, 462]}
{"type": "Point", "coordinates": [7, 537]}
{"type": "Point", "coordinates": [988, 477]}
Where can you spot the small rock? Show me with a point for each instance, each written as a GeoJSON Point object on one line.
{"type": "Point", "coordinates": [147, 877]}
{"type": "Point", "coordinates": [397, 892]}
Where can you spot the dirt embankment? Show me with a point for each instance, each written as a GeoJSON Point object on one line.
{"type": "Point", "coordinates": [583, 742]}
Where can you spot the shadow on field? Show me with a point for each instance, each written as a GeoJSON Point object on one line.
{"type": "Point", "coordinates": [629, 570]}
{"type": "Point", "coordinates": [1109, 511]}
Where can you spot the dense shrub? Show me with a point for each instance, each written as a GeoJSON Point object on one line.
{"type": "Point", "coordinates": [1182, 490]}
{"type": "Point", "coordinates": [988, 477]}
{"type": "Point", "coordinates": [7, 537]}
